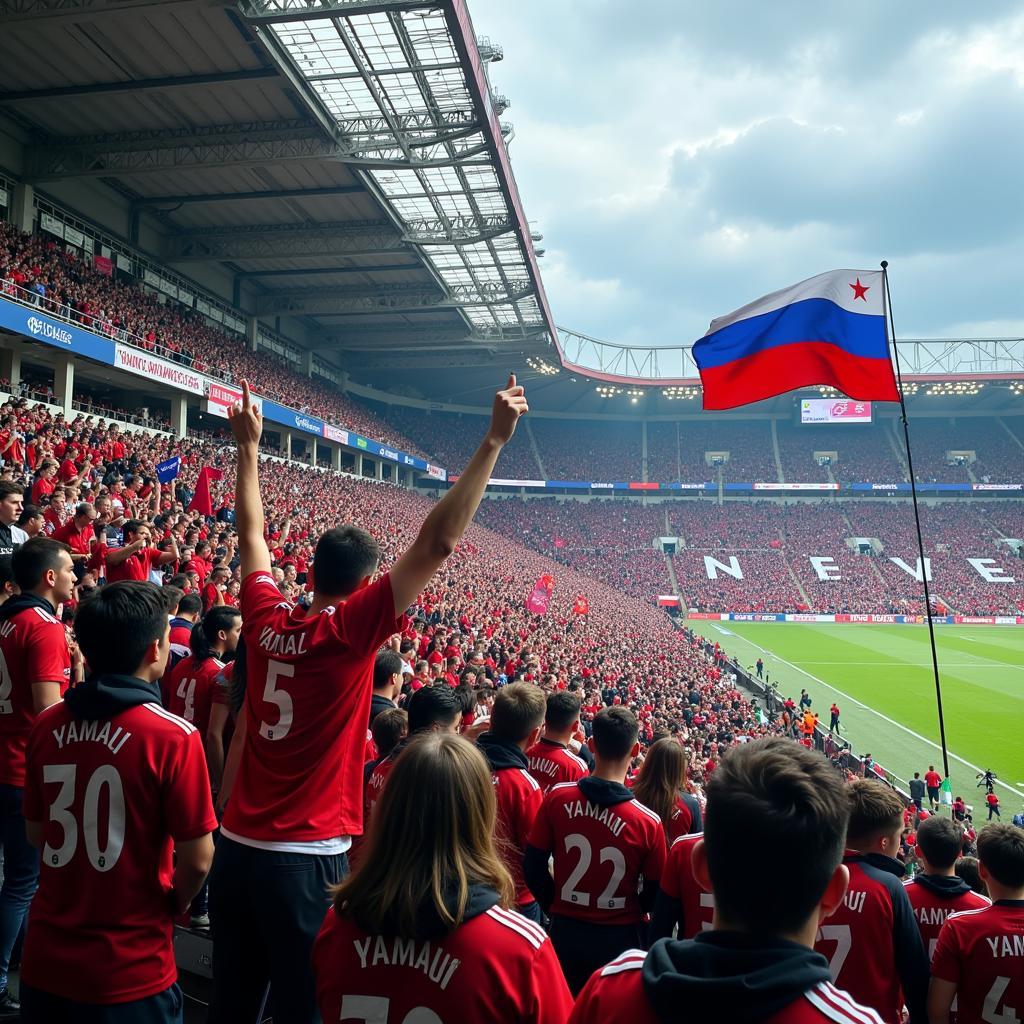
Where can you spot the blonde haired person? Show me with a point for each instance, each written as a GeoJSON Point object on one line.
{"type": "Point", "coordinates": [422, 931]}
{"type": "Point", "coordinates": [660, 786]}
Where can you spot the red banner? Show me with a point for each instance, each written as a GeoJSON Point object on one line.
{"type": "Point", "coordinates": [103, 265]}
{"type": "Point", "coordinates": [582, 606]}
{"type": "Point", "coordinates": [539, 599]}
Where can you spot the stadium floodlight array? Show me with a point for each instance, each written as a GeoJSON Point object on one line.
{"type": "Point", "coordinates": [542, 367]}
{"type": "Point", "coordinates": [950, 387]}
{"type": "Point", "coordinates": [681, 393]}
{"type": "Point", "coordinates": [607, 391]}
{"type": "Point", "coordinates": [1017, 387]}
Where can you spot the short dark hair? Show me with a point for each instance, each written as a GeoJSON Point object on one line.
{"type": "Point", "coordinates": [344, 556]}
{"type": "Point", "coordinates": [118, 623]}
{"type": "Point", "coordinates": [388, 728]}
{"type": "Point", "coordinates": [29, 512]}
{"type": "Point", "coordinates": [941, 841]}
{"type": "Point", "coordinates": [875, 810]}
{"type": "Point", "coordinates": [178, 580]}
{"type": "Point", "coordinates": [34, 559]}
{"type": "Point", "coordinates": [190, 604]}
{"type": "Point", "coordinates": [385, 665]}
{"type": "Point", "coordinates": [1001, 852]}
{"type": "Point", "coordinates": [132, 526]}
{"type": "Point", "coordinates": [794, 803]}
{"type": "Point", "coordinates": [563, 709]}
{"type": "Point", "coordinates": [433, 705]}
{"type": "Point", "coordinates": [615, 732]}
{"type": "Point", "coordinates": [518, 710]}
{"type": "Point", "coordinates": [9, 487]}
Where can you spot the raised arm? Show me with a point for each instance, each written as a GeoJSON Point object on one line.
{"type": "Point", "coordinates": [247, 426]}
{"type": "Point", "coordinates": [447, 521]}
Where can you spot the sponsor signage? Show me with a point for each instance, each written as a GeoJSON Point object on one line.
{"type": "Point", "coordinates": [142, 364]}
{"type": "Point", "coordinates": [601, 487]}
{"type": "Point", "coordinates": [220, 398]}
{"type": "Point", "coordinates": [640, 485]}
{"type": "Point", "coordinates": [24, 320]}
{"type": "Point", "coordinates": [51, 224]}
{"type": "Point", "coordinates": [103, 265]}
{"type": "Point", "coordinates": [796, 487]}
{"type": "Point", "coordinates": [997, 487]}
{"type": "Point", "coordinates": [435, 472]}
{"type": "Point", "coordinates": [335, 434]}
{"type": "Point", "coordinates": [879, 487]}
{"type": "Point", "coordinates": [290, 418]}
{"type": "Point", "coordinates": [832, 410]}
{"type": "Point", "coordinates": [572, 485]}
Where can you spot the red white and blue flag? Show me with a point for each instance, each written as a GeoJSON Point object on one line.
{"type": "Point", "coordinates": [829, 329]}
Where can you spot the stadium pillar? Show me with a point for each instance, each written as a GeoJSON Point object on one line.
{"type": "Point", "coordinates": [10, 367]}
{"type": "Point", "coordinates": [286, 443]}
{"type": "Point", "coordinates": [643, 464]}
{"type": "Point", "coordinates": [252, 337]}
{"type": "Point", "coordinates": [336, 458]}
{"type": "Point", "coordinates": [23, 207]}
{"type": "Point", "coordinates": [179, 415]}
{"type": "Point", "coordinates": [307, 362]}
{"type": "Point", "coordinates": [380, 470]}
{"type": "Point", "coordinates": [64, 383]}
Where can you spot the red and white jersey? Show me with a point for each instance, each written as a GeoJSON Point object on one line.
{"type": "Point", "coordinates": [680, 823]}
{"type": "Point", "coordinates": [931, 909]}
{"type": "Point", "coordinates": [678, 883]}
{"type": "Point", "coordinates": [498, 966]}
{"type": "Point", "coordinates": [982, 953]}
{"type": "Point", "coordinates": [552, 763]}
{"type": "Point", "coordinates": [616, 993]}
{"type": "Point", "coordinates": [375, 785]}
{"type": "Point", "coordinates": [113, 795]}
{"type": "Point", "coordinates": [189, 688]}
{"type": "Point", "coordinates": [134, 567]}
{"type": "Point", "coordinates": [600, 853]}
{"type": "Point", "coordinates": [33, 649]}
{"type": "Point", "coordinates": [307, 702]}
{"type": "Point", "coordinates": [519, 798]}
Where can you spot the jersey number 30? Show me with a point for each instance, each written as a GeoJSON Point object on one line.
{"type": "Point", "coordinates": [106, 777]}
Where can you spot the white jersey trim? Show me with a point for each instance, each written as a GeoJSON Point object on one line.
{"type": "Point", "coordinates": [643, 807]}
{"type": "Point", "coordinates": [560, 785]}
{"type": "Point", "coordinates": [314, 847]}
{"type": "Point", "coordinates": [689, 835]}
{"type": "Point", "coordinates": [46, 616]}
{"type": "Point", "coordinates": [533, 933]}
{"type": "Point", "coordinates": [533, 782]}
{"type": "Point", "coordinates": [186, 727]}
{"type": "Point", "coordinates": [838, 1006]}
{"type": "Point", "coordinates": [631, 960]}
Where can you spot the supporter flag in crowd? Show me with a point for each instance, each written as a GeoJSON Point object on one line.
{"type": "Point", "coordinates": [539, 599]}
{"type": "Point", "coordinates": [168, 470]}
{"type": "Point", "coordinates": [103, 265]}
{"type": "Point", "coordinates": [946, 792]}
{"type": "Point", "coordinates": [582, 606]}
{"type": "Point", "coordinates": [829, 329]}
{"type": "Point", "coordinates": [202, 500]}
{"type": "Point", "coordinates": [559, 542]}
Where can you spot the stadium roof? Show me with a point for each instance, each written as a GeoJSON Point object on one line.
{"type": "Point", "coordinates": [344, 157]}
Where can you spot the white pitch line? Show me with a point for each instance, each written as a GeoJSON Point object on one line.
{"type": "Point", "coordinates": [885, 718]}
{"type": "Point", "coordinates": [942, 665]}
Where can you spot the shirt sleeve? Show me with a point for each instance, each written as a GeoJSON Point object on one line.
{"type": "Point", "coordinates": [551, 1001]}
{"type": "Point", "coordinates": [540, 836]}
{"type": "Point", "coordinates": [657, 852]}
{"type": "Point", "coordinates": [368, 617]}
{"type": "Point", "coordinates": [586, 1010]}
{"type": "Point", "coordinates": [188, 808]}
{"type": "Point", "coordinates": [259, 597]}
{"type": "Point", "coordinates": [945, 960]}
{"type": "Point", "coordinates": [47, 659]}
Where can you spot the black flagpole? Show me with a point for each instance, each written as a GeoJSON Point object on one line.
{"type": "Point", "coordinates": [917, 520]}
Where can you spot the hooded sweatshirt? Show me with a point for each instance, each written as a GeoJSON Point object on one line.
{"type": "Point", "coordinates": [934, 898]}
{"type": "Point", "coordinates": [718, 976]}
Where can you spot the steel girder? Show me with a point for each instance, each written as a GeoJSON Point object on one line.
{"type": "Point", "coordinates": [13, 11]}
{"type": "Point", "coordinates": [139, 85]}
{"type": "Point", "coordinates": [269, 12]}
{"type": "Point", "coordinates": [235, 197]}
{"type": "Point", "coordinates": [464, 230]}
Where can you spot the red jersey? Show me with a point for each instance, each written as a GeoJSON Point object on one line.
{"type": "Point", "coordinates": [932, 780]}
{"type": "Point", "coordinates": [375, 784]}
{"type": "Point", "coordinates": [982, 952]}
{"type": "Point", "coordinates": [519, 798]}
{"type": "Point", "coordinates": [188, 690]}
{"type": "Point", "coordinates": [114, 794]}
{"type": "Point", "coordinates": [873, 944]}
{"type": "Point", "coordinates": [696, 907]}
{"type": "Point", "coordinates": [932, 905]}
{"type": "Point", "coordinates": [307, 702]}
{"type": "Point", "coordinates": [552, 763]}
{"type": "Point", "coordinates": [33, 649]}
{"type": "Point", "coordinates": [134, 567]}
{"type": "Point", "coordinates": [41, 491]}
{"type": "Point", "coordinates": [52, 521]}
{"type": "Point", "coordinates": [680, 823]}
{"type": "Point", "coordinates": [181, 638]}
{"type": "Point", "coordinates": [616, 993]}
{"type": "Point", "coordinates": [601, 851]}
{"type": "Point", "coordinates": [497, 966]}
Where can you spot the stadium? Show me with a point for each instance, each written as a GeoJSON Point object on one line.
{"type": "Point", "coordinates": [317, 197]}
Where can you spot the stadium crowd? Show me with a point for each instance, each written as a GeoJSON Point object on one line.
{"type": "Point", "coordinates": [605, 739]}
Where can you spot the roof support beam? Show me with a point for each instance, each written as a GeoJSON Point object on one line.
{"type": "Point", "coordinates": [285, 241]}
{"type": "Point", "coordinates": [14, 11]}
{"type": "Point", "coordinates": [270, 12]}
{"type": "Point", "coordinates": [236, 197]}
{"type": "Point", "coordinates": [395, 298]}
{"type": "Point", "coordinates": [139, 85]}
{"type": "Point", "coordinates": [381, 268]}
{"type": "Point", "coordinates": [142, 152]}
{"type": "Point", "coordinates": [413, 359]}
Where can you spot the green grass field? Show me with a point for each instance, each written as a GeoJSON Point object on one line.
{"type": "Point", "coordinates": [881, 677]}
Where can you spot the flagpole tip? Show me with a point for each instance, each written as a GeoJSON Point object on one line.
{"type": "Point", "coordinates": [885, 263]}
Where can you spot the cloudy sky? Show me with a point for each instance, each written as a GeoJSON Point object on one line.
{"type": "Point", "coordinates": [683, 158]}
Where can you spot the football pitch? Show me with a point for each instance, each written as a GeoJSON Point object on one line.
{"type": "Point", "coordinates": [881, 678]}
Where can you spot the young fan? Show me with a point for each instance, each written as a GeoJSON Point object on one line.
{"type": "Point", "coordinates": [660, 784]}
{"type": "Point", "coordinates": [979, 959]}
{"type": "Point", "coordinates": [758, 964]}
{"type": "Point", "coordinates": [551, 759]}
{"type": "Point", "coordinates": [422, 930]}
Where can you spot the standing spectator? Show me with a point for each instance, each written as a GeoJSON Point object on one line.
{"type": "Point", "coordinates": [977, 960]}
{"type": "Point", "coordinates": [987, 778]}
{"type": "Point", "coordinates": [37, 663]}
{"type": "Point", "coordinates": [805, 700]}
{"type": "Point", "coordinates": [297, 798]}
{"type": "Point", "coordinates": [833, 724]}
{"type": "Point", "coordinates": [660, 785]}
{"type": "Point", "coordinates": [760, 668]}
{"type": "Point", "coordinates": [959, 809]}
{"type": "Point", "coordinates": [135, 560]}
{"type": "Point", "coordinates": [432, 882]}
{"type": "Point", "coordinates": [99, 941]}
{"type": "Point", "coordinates": [917, 790]}
{"type": "Point", "coordinates": [516, 720]}
{"type": "Point", "coordinates": [551, 759]}
{"type": "Point", "coordinates": [933, 781]}
{"type": "Point", "coordinates": [12, 536]}
{"type": "Point", "coordinates": [993, 804]}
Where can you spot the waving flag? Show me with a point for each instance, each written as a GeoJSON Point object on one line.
{"type": "Point", "coordinates": [829, 329]}
{"type": "Point", "coordinates": [167, 471]}
{"type": "Point", "coordinates": [202, 500]}
{"type": "Point", "coordinates": [540, 597]}
{"type": "Point", "coordinates": [582, 606]}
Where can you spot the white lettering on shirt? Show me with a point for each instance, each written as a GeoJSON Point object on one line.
{"type": "Point", "coordinates": [280, 643]}
{"type": "Point", "coordinates": [855, 901]}
{"type": "Point", "coordinates": [585, 809]}
{"type": "Point", "coordinates": [435, 963]}
{"type": "Point", "coordinates": [1006, 945]}
{"type": "Point", "coordinates": [91, 732]}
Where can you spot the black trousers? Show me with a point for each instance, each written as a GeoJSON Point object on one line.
{"type": "Point", "coordinates": [583, 947]}
{"type": "Point", "coordinates": [266, 909]}
{"type": "Point", "coordinates": [38, 1007]}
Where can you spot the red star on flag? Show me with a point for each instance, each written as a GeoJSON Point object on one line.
{"type": "Point", "coordinates": [860, 290]}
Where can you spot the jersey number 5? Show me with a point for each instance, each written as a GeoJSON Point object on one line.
{"type": "Point", "coordinates": [282, 698]}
